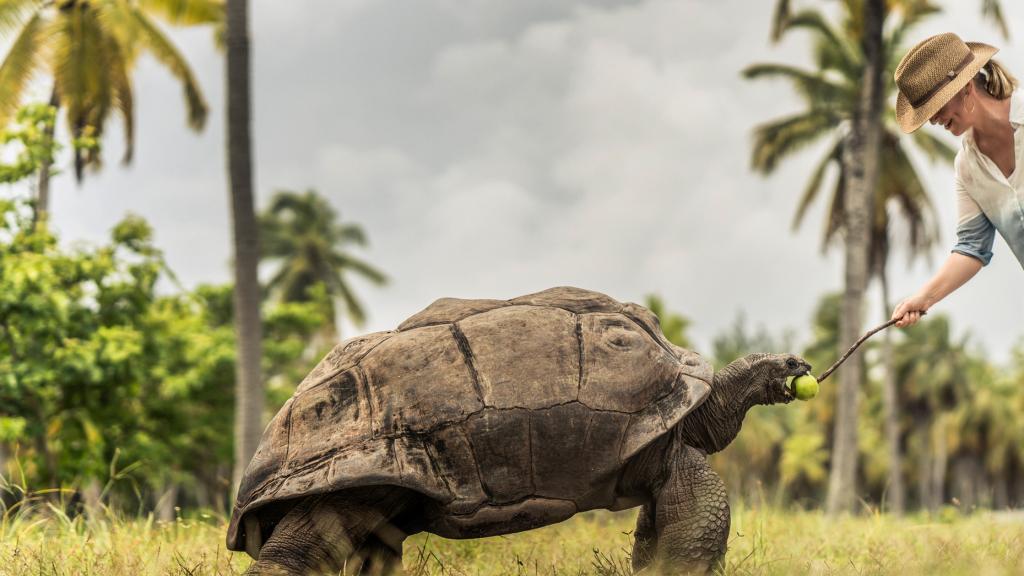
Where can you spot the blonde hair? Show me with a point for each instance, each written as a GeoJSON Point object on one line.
{"type": "Point", "coordinates": [996, 80]}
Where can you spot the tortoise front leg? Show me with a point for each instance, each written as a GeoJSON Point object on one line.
{"type": "Point", "coordinates": [691, 516]}
{"type": "Point", "coordinates": [311, 539]}
{"type": "Point", "coordinates": [645, 538]}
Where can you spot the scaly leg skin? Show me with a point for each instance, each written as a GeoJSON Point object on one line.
{"type": "Point", "coordinates": [645, 538]}
{"type": "Point", "coordinates": [692, 517]}
{"type": "Point", "coordinates": [322, 534]}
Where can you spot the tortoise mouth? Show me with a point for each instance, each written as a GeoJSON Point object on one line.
{"type": "Point", "coordinates": [782, 392]}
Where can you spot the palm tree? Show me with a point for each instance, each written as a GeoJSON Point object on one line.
{"type": "Point", "coordinates": [933, 371]}
{"type": "Point", "coordinates": [303, 232]}
{"type": "Point", "coordinates": [89, 48]}
{"type": "Point", "coordinates": [833, 93]}
{"type": "Point", "coordinates": [861, 160]}
{"type": "Point", "coordinates": [990, 438]}
{"type": "Point", "coordinates": [248, 332]}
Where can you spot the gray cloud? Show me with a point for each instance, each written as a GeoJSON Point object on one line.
{"type": "Point", "coordinates": [493, 148]}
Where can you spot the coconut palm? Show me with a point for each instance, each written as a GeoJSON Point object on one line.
{"type": "Point", "coordinates": [88, 49]}
{"type": "Point", "coordinates": [861, 159]}
{"type": "Point", "coordinates": [833, 94]}
{"type": "Point", "coordinates": [302, 232]}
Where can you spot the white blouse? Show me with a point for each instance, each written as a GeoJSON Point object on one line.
{"type": "Point", "coordinates": [987, 201]}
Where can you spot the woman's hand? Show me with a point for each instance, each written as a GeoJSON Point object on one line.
{"type": "Point", "coordinates": [910, 310]}
{"type": "Point", "coordinates": [958, 269]}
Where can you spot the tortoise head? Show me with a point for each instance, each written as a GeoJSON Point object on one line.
{"type": "Point", "coordinates": [770, 373]}
{"type": "Point", "coordinates": [746, 382]}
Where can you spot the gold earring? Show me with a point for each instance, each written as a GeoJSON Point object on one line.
{"type": "Point", "coordinates": [971, 111]}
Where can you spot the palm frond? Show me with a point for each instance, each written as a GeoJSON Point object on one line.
{"type": "Point", "coordinates": [275, 240]}
{"type": "Point", "coordinates": [131, 25]}
{"type": "Point", "coordinates": [834, 156]}
{"type": "Point", "coordinates": [814, 87]}
{"type": "Point", "coordinates": [119, 21]}
{"type": "Point", "coordinates": [901, 184]}
{"type": "Point", "coordinates": [81, 57]}
{"type": "Point", "coordinates": [351, 233]}
{"type": "Point", "coordinates": [185, 12]}
{"type": "Point", "coordinates": [933, 147]}
{"type": "Point", "coordinates": [836, 215]}
{"type": "Point", "coordinates": [13, 13]}
{"type": "Point", "coordinates": [779, 18]}
{"type": "Point", "coordinates": [815, 23]}
{"type": "Point", "coordinates": [843, 59]}
{"type": "Point", "coordinates": [124, 99]}
{"type": "Point", "coordinates": [777, 140]}
{"type": "Point", "coordinates": [355, 310]}
{"type": "Point", "coordinates": [303, 207]}
{"type": "Point", "coordinates": [913, 13]}
{"type": "Point", "coordinates": [993, 10]}
{"type": "Point", "coordinates": [348, 262]}
{"type": "Point", "coordinates": [19, 65]}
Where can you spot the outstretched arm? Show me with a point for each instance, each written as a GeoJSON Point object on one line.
{"type": "Point", "coordinates": [957, 270]}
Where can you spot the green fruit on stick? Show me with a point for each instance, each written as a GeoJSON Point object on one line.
{"type": "Point", "coordinates": [804, 387]}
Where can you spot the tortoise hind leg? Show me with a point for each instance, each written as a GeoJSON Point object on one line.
{"type": "Point", "coordinates": [378, 558]}
{"type": "Point", "coordinates": [691, 517]}
{"type": "Point", "coordinates": [324, 534]}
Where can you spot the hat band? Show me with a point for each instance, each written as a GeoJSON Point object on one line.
{"type": "Point", "coordinates": [949, 78]}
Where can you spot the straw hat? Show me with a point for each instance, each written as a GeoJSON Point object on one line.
{"type": "Point", "coordinates": [932, 72]}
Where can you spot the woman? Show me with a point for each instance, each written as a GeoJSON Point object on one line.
{"type": "Point", "coordinates": [958, 86]}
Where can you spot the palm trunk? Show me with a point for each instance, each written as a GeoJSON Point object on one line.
{"type": "Point", "coordinates": [43, 187]}
{"type": "Point", "coordinates": [940, 463]}
{"type": "Point", "coordinates": [248, 381]}
{"type": "Point", "coordinates": [92, 499]}
{"type": "Point", "coordinates": [860, 162]}
{"type": "Point", "coordinates": [924, 464]}
{"type": "Point", "coordinates": [1015, 482]}
{"type": "Point", "coordinates": [1001, 491]}
{"type": "Point", "coordinates": [896, 491]}
{"type": "Point", "coordinates": [963, 487]}
{"type": "Point", "coordinates": [166, 503]}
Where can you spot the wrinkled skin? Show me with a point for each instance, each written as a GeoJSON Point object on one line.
{"type": "Point", "coordinates": [682, 527]}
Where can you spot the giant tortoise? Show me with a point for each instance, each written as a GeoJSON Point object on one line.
{"type": "Point", "coordinates": [485, 417]}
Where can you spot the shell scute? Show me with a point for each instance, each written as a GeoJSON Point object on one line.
{"type": "Point", "coordinates": [499, 339]}
{"type": "Point", "coordinates": [575, 300]}
{"type": "Point", "coordinates": [419, 380]}
{"type": "Point", "coordinates": [448, 310]}
{"type": "Point", "coordinates": [624, 368]}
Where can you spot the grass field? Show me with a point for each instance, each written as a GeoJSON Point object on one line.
{"type": "Point", "coordinates": [762, 542]}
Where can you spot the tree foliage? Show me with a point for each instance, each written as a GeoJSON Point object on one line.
{"type": "Point", "coordinates": [98, 367]}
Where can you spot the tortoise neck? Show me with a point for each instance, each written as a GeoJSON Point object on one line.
{"type": "Point", "coordinates": [715, 423]}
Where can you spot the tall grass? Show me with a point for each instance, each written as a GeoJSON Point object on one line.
{"type": "Point", "coordinates": [38, 538]}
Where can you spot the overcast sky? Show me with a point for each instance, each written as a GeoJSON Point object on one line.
{"type": "Point", "coordinates": [492, 148]}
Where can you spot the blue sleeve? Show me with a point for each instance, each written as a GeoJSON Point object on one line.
{"type": "Point", "coordinates": [974, 237]}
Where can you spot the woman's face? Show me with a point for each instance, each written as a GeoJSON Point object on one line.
{"type": "Point", "coordinates": [954, 116]}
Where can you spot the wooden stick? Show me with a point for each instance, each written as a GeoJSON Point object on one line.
{"type": "Point", "coordinates": [870, 333]}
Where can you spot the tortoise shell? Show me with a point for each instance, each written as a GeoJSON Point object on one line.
{"type": "Point", "coordinates": [490, 408]}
